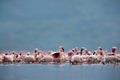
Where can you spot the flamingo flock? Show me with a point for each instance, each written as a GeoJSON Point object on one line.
{"type": "Point", "coordinates": [74, 57]}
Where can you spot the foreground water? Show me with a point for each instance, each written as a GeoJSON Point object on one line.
{"type": "Point", "coordinates": [59, 72]}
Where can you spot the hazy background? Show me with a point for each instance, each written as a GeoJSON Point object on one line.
{"type": "Point", "coordinates": [47, 24]}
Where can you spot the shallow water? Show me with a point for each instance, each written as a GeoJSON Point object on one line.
{"type": "Point", "coordinates": [59, 72]}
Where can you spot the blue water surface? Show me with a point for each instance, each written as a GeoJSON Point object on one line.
{"type": "Point", "coordinates": [47, 24]}
{"type": "Point", "coordinates": [59, 72]}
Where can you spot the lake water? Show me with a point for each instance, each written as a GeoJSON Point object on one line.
{"type": "Point", "coordinates": [59, 72]}
{"type": "Point", "coordinates": [45, 24]}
